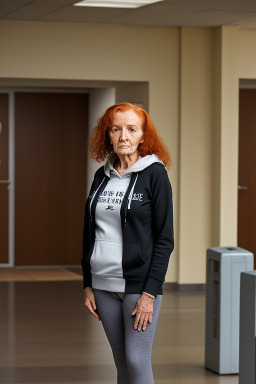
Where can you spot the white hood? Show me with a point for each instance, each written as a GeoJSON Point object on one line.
{"type": "Point", "coordinates": [139, 165]}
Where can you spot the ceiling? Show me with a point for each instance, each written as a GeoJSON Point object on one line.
{"type": "Point", "coordinates": [168, 13]}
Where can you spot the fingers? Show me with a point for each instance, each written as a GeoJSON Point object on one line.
{"type": "Point", "coordinates": [144, 324]}
{"type": "Point", "coordinates": [91, 306]}
{"type": "Point", "coordinates": [136, 321]}
{"type": "Point", "coordinates": [95, 314]}
{"type": "Point", "coordinates": [92, 310]}
{"type": "Point", "coordinates": [141, 321]}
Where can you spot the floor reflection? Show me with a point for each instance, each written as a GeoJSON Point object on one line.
{"type": "Point", "coordinates": [47, 336]}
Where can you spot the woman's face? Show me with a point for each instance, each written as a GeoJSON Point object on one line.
{"type": "Point", "coordinates": [126, 132]}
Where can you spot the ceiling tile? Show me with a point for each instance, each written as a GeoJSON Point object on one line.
{"type": "Point", "coordinates": [247, 23]}
{"type": "Point", "coordinates": [54, 2]}
{"type": "Point", "coordinates": [18, 2]}
{"type": "Point", "coordinates": [30, 12]}
{"type": "Point", "coordinates": [83, 14]}
{"type": "Point", "coordinates": [171, 13]}
{"type": "Point", "coordinates": [178, 18]}
{"type": "Point", "coordinates": [217, 5]}
{"type": "Point", "coordinates": [7, 8]}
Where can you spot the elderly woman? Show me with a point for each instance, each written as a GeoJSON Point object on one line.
{"type": "Point", "coordinates": [128, 236]}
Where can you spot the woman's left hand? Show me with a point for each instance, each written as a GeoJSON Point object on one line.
{"type": "Point", "coordinates": [143, 312]}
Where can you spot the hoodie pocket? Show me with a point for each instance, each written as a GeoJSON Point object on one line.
{"type": "Point", "coordinates": [133, 262]}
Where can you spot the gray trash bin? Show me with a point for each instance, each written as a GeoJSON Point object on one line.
{"type": "Point", "coordinates": [223, 269]}
{"type": "Point", "coordinates": [247, 341]}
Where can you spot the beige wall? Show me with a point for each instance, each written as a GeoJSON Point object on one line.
{"type": "Point", "coordinates": [192, 75]}
{"type": "Point", "coordinates": [246, 54]}
{"type": "Point", "coordinates": [196, 126]}
{"type": "Point", "coordinates": [229, 137]}
{"type": "Point", "coordinates": [212, 63]}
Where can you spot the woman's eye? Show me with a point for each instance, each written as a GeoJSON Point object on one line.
{"type": "Point", "coordinates": [132, 129]}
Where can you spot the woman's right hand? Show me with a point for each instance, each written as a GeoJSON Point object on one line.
{"type": "Point", "coordinates": [90, 302]}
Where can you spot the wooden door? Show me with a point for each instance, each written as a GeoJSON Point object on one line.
{"type": "Point", "coordinates": [50, 177]}
{"type": "Point", "coordinates": [247, 171]}
{"type": "Point", "coordinates": [4, 176]}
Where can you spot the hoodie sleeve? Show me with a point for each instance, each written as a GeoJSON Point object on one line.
{"type": "Point", "coordinates": [162, 222]}
{"type": "Point", "coordinates": [86, 240]}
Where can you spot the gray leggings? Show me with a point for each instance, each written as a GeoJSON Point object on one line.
{"type": "Point", "coordinates": [131, 348]}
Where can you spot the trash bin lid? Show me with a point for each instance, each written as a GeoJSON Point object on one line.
{"type": "Point", "coordinates": [229, 250]}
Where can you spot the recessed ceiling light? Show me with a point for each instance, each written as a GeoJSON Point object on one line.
{"type": "Point", "coordinates": [116, 3]}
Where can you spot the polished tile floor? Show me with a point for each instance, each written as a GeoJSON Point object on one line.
{"type": "Point", "coordinates": [40, 274]}
{"type": "Point", "coordinates": [46, 336]}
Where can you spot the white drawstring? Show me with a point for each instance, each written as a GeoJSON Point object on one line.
{"type": "Point", "coordinates": [94, 193]}
{"type": "Point", "coordinates": [131, 192]}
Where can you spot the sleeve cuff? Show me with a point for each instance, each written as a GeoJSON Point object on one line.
{"type": "Point", "coordinates": [87, 281]}
{"type": "Point", "coordinates": [148, 294]}
{"type": "Point", "coordinates": [152, 286]}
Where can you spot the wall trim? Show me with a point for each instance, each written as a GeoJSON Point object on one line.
{"type": "Point", "coordinates": [183, 287]}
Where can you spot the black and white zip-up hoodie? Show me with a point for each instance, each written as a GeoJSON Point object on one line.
{"type": "Point", "coordinates": [128, 228]}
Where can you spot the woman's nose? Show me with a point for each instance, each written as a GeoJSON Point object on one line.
{"type": "Point", "coordinates": [123, 135]}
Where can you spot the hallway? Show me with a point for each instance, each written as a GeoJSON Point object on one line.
{"type": "Point", "coordinates": [48, 337]}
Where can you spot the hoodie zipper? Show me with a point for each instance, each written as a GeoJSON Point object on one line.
{"type": "Point", "coordinates": [94, 193]}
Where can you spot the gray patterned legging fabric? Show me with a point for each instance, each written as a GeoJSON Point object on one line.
{"type": "Point", "coordinates": [131, 348]}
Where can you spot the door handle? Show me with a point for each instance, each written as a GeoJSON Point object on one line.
{"type": "Point", "coordinates": [5, 181]}
{"type": "Point", "coordinates": [243, 188]}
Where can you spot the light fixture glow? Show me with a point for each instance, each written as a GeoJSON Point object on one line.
{"type": "Point", "coordinates": [116, 3]}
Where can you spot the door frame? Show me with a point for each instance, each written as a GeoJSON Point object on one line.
{"type": "Point", "coordinates": [11, 172]}
{"type": "Point", "coordinates": [11, 138]}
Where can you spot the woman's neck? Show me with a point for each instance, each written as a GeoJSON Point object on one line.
{"type": "Point", "coordinates": [121, 164]}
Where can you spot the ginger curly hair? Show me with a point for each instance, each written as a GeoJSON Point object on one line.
{"type": "Point", "coordinates": [100, 147]}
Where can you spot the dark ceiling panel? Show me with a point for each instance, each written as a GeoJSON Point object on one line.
{"type": "Point", "coordinates": [169, 13]}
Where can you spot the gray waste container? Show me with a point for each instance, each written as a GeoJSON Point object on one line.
{"type": "Point", "coordinates": [247, 342]}
{"type": "Point", "coordinates": [223, 269]}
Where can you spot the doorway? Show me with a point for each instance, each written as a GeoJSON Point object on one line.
{"type": "Point", "coordinates": [246, 174]}
{"type": "Point", "coordinates": [51, 131]}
